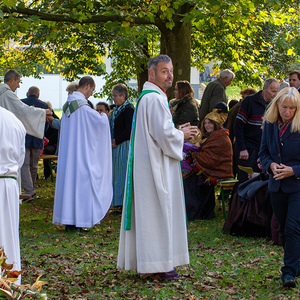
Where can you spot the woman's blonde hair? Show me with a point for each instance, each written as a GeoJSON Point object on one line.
{"type": "Point", "coordinates": [272, 113]}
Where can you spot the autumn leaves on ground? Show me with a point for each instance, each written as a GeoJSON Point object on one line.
{"type": "Point", "coordinates": [83, 265]}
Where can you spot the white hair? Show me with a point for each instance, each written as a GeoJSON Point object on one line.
{"type": "Point", "coordinates": [227, 73]}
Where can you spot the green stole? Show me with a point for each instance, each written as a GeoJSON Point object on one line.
{"type": "Point", "coordinates": [70, 107]}
{"type": "Point", "coordinates": [129, 177]}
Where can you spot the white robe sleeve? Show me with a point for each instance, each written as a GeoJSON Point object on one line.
{"type": "Point", "coordinates": [33, 118]}
{"type": "Point", "coordinates": [162, 129]}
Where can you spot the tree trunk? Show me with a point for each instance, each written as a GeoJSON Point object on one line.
{"type": "Point", "coordinates": [142, 76]}
{"type": "Point", "coordinates": [177, 44]}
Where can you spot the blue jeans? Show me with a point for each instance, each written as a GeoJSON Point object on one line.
{"type": "Point", "coordinates": [286, 207]}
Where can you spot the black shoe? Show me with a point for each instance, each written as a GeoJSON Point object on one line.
{"type": "Point", "coordinates": [70, 228]}
{"type": "Point", "coordinates": [116, 212]}
{"type": "Point", "coordinates": [80, 229]}
{"type": "Point", "coordinates": [288, 282]}
{"type": "Point", "coordinates": [28, 199]}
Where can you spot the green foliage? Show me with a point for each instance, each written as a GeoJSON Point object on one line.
{"type": "Point", "coordinates": [248, 37]}
{"type": "Point", "coordinates": [256, 38]}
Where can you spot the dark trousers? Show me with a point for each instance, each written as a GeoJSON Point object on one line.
{"type": "Point", "coordinates": [286, 207]}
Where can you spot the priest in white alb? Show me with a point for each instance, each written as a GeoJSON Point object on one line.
{"type": "Point", "coordinates": [12, 153]}
{"type": "Point", "coordinates": [153, 236]}
{"type": "Point", "coordinates": [33, 118]}
{"type": "Point", "coordinates": [83, 192]}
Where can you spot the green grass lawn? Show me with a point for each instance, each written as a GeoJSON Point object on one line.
{"type": "Point", "coordinates": [233, 92]}
{"type": "Point", "coordinates": [83, 266]}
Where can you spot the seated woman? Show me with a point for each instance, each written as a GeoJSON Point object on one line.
{"type": "Point", "coordinates": [210, 163]}
{"type": "Point", "coordinates": [184, 106]}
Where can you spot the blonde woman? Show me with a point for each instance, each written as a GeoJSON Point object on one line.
{"type": "Point", "coordinates": [280, 155]}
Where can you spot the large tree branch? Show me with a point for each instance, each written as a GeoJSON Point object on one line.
{"type": "Point", "coordinates": [98, 18]}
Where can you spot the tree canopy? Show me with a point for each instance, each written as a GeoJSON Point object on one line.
{"type": "Point", "coordinates": [254, 38]}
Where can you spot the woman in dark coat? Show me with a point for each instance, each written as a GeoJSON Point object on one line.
{"type": "Point", "coordinates": [184, 106]}
{"type": "Point", "coordinates": [280, 155]}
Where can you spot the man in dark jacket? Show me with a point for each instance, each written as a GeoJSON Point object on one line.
{"type": "Point", "coordinates": [248, 123]}
{"type": "Point", "coordinates": [215, 93]}
{"type": "Point", "coordinates": [33, 146]}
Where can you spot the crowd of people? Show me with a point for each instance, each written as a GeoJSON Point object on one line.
{"type": "Point", "coordinates": [140, 156]}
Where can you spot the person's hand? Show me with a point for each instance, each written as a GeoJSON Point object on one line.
{"type": "Point", "coordinates": [244, 154]}
{"type": "Point", "coordinates": [188, 131]}
{"type": "Point", "coordinates": [281, 171]}
{"type": "Point", "coordinates": [113, 143]}
{"type": "Point", "coordinates": [49, 119]}
{"type": "Point", "coordinates": [48, 112]}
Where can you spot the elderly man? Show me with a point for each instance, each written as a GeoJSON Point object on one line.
{"type": "Point", "coordinates": [294, 79]}
{"type": "Point", "coordinates": [33, 146]}
{"type": "Point", "coordinates": [153, 236]}
{"type": "Point", "coordinates": [247, 127]}
{"type": "Point", "coordinates": [72, 87]}
{"type": "Point", "coordinates": [32, 118]}
{"type": "Point", "coordinates": [83, 191]}
{"type": "Point", "coordinates": [12, 152]}
{"type": "Point", "coordinates": [215, 93]}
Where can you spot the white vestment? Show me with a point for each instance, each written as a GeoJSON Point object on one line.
{"type": "Point", "coordinates": [33, 118]}
{"type": "Point", "coordinates": [83, 192]}
{"type": "Point", "coordinates": [12, 153]}
{"type": "Point", "coordinates": [157, 241]}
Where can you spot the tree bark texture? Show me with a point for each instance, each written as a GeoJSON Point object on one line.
{"type": "Point", "coordinates": [177, 44]}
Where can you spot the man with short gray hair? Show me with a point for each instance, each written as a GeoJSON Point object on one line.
{"type": "Point", "coordinates": [153, 236]}
{"type": "Point", "coordinates": [215, 93]}
{"type": "Point", "coordinates": [247, 127]}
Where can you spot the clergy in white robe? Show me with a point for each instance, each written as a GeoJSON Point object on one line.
{"type": "Point", "coordinates": [83, 191]}
{"type": "Point", "coordinates": [157, 240]}
{"type": "Point", "coordinates": [12, 153]}
{"type": "Point", "coordinates": [32, 118]}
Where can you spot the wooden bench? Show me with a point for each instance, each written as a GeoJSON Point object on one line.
{"type": "Point", "coordinates": [52, 161]}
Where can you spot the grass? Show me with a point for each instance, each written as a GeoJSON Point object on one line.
{"type": "Point", "coordinates": [83, 266]}
{"type": "Point", "coordinates": [233, 92]}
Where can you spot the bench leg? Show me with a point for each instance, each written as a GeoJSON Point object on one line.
{"type": "Point", "coordinates": [223, 203]}
{"type": "Point", "coordinates": [50, 168]}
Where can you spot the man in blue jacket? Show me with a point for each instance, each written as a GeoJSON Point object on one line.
{"type": "Point", "coordinates": [33, 146]}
